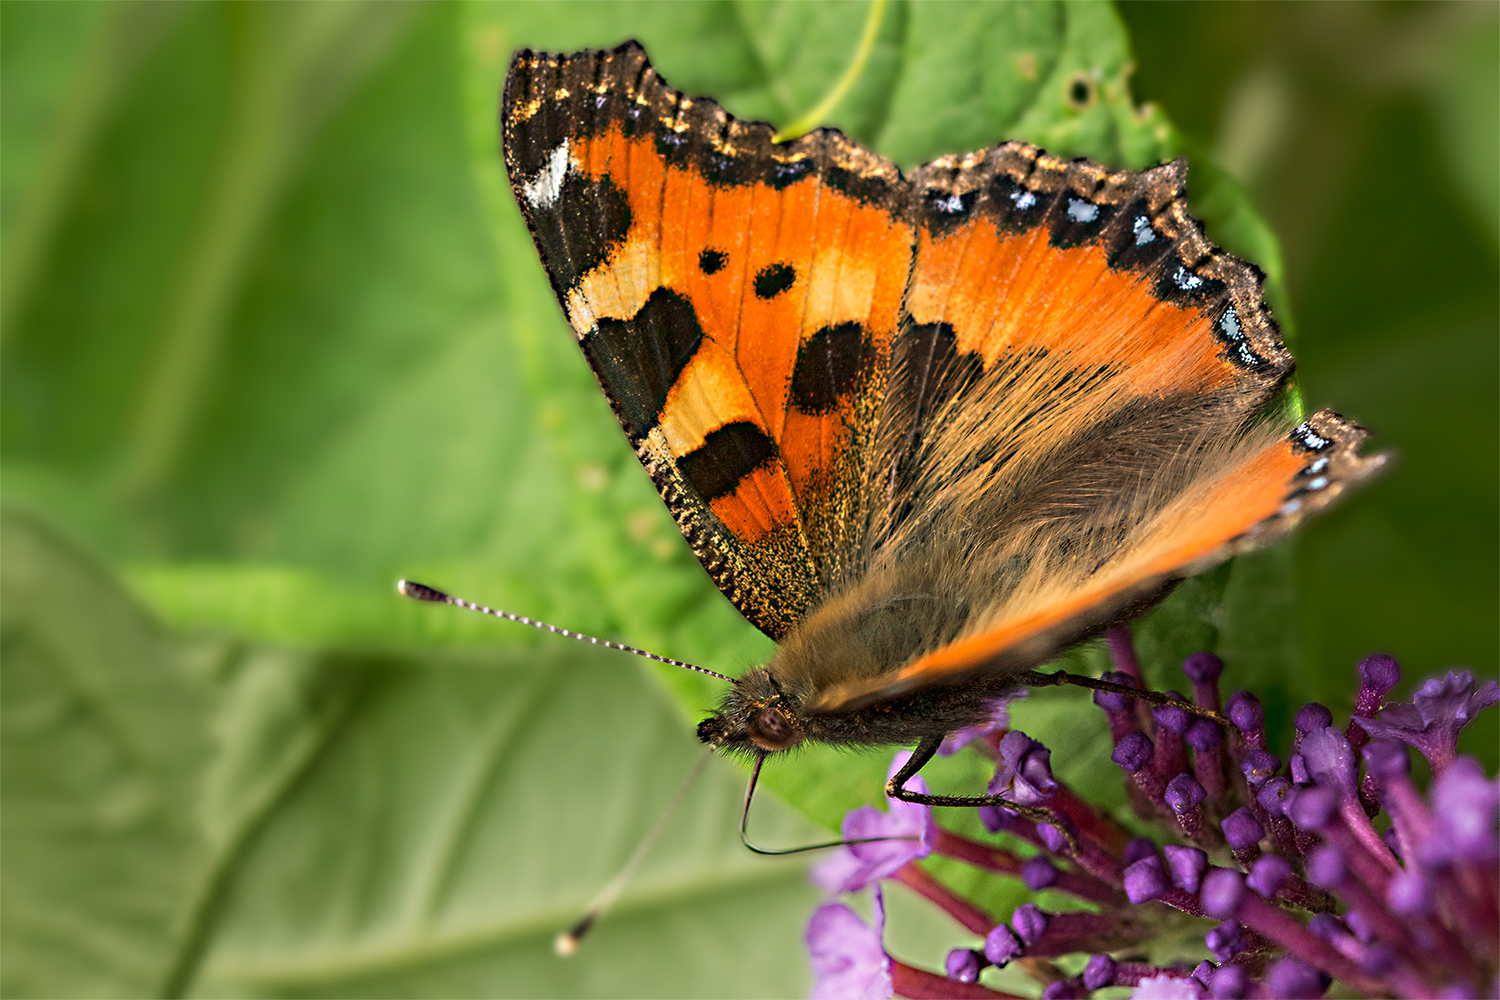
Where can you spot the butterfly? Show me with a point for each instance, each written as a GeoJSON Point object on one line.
{"type": "Point", "coordinates": [924, 432]}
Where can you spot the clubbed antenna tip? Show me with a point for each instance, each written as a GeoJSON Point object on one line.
{"type": "Point", "coordinates": [422, 592]}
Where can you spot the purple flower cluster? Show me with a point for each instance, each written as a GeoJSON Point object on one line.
{"type": "Point", "coordinates": [1332, 866]}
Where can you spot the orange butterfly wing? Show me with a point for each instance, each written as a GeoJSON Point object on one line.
{"type": "Point", "coordinates": [736, 299]}
{"type": "Point", "coordinates": [1258, 496]}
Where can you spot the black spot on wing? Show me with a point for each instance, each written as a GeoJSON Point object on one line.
{"type": "Point", "coordinates": [829, 367]}
{"type": "Point", "coordinates": [580, 229]}
{"type": "Point", "coordinates": [773, 279]}
{"type": "Point", "coordinates": [712, 261]}
{"type": "Point", "coordinates": [639, 359]}
{"type": "Point", "coordinates": [726, 456]}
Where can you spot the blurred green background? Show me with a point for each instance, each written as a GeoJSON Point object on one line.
{"type": "Point", "coordinates": [273, 337]}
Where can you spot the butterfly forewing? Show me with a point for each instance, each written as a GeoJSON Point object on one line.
{"type": "Point", "coordinates": [736, 299]}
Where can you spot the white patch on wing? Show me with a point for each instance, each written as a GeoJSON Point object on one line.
{"type": "Point", "coordinates": [618, 288]}
{"type": "Point", "coordinates": [542, 190]}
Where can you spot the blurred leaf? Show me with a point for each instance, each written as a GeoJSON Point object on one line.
{"type": "Point", "coordinates": [439, 819]}
{"type": "Point", "coordinates": [104, 747]}
{"type": "Point", "coordinates": [347, 824]}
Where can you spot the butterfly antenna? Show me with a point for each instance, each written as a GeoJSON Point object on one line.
{"type": "Point", "coordinates": [567, 942]}
{"type": "Point", "coordinates": [422, 592]}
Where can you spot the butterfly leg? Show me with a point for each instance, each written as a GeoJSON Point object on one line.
{"type": "Point", "coordinates": [1033, 679]}
{"type": "Point", "coordinates": [924, 752]}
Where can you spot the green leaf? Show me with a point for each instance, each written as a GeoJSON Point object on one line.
{"type": "Point", "coordinates": [431, 823]}
{"type": "Point", "coordinates": [104, 747]}
{"type": "Point", "coordinates": [260, 821]}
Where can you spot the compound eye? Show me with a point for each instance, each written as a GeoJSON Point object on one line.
{"type": "Point", "coordinates": [771, 729]}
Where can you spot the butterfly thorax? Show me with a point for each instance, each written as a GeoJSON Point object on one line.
{"type": "Point", "coordinates": [865, 635]}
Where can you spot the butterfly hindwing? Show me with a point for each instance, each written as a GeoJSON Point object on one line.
{"type": "Point", "coordinates": [1247, 493]}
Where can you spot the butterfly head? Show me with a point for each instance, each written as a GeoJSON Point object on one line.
{"type": "Point", "coordinates": [755, 717]}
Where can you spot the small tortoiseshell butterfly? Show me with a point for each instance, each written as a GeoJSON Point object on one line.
{"type": "Point", "coordinates": [926, 431]}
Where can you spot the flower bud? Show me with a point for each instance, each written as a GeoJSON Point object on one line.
{"type": "Point", "coordinates": [1145, 880]}
{"type": "Point", "coordinates": [1222, 891]}
{"type": "Point", "coordinates": [1242, 829]}
{"type": "Point", "coordinates": [1187, 865]}
{"type": "Point", "coordinates": [1184, 793]}
{"type": "Point", "coordinates": [963, 965]}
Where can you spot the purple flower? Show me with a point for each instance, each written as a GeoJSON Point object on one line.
{"type": "Point", "coordinates": [1133, 752]}
{"type": "Point", "coordinates": [1229, 982]}
{"type": "Point", "coordinates": [1313, 716]}
{"type": "Point", "coordinates": [1024, 774]}
{"type": "Point", "coordinates": [839, 872]}
{"type": "Point", "coordinates": [1165, 987]}
{"type": "Point", "coordinates": [1184, 793]}
{"type": "Point", "coordinates": [909, 831]}
{"type": "Point", "coordinates": [1291, 977]}
{"type": "Point", "coordinates": [1377, 675]}
{"type": "Point", "coordinates": [1138, 848]}
{"type": "Point", "coordinates": [1417, 923]}
{"type": "Point", "coordinates": [1202, 735]}
{"type": "Point", "coordinates": [1259, 767]}
{"type": "Point", "coordinates": [1113, 701]}
{"type": "Point", "coordinates": [1327, 867]}
{"type": "Point", "coordinates": [1099, 973]}
{"type": "Point", "coordinates": [1436, 714]}
{"type": "Point", "coordinates": [1001, 945]}
{"type": "Point", "coordinates": [964, 965]}
{"type": "Point", "coordinates": [1273, 796]}
{"type": "Point", "coordinates": [1242, 829]}
{"type": "Point", "coordinates": [1187, 865]}
{"type": "Point", "coordinates": [1311, 808]}
{"type": "Point", "coordinates": [1464, 804]}
{"type": "Point", "coordinates": [999, 723]}
{"type": "Point", "coordinates": [1145, 880]}
{"type": "Point", "coordinates": [1269, 874]}
{"type": "Point", "coordinates": [1226, 940]}
{"type": "Point", "coordinates": [1223, 889]}
{"type": "Point", "coordinates": [1038, 872]}
{"type": "Point", "coordinates": [1203, 668]}
{"type": "Point", "coordinates": [1172, 717]}
{"type": "Point", "coordinates": [1329, 758]}
{"type": "Point", "coordinates": [1052, 838]}
{"type": "Point", "coordinates": [1246, 712]}
{"type": "Point", "coordinates": [1387, 759]}
{"type": "Point", "coordinates": [1030, 923]}
{"type": "Point", "coordinates": [1409, 894]}
{"type": "Point", "coordinates": [847, 956]}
